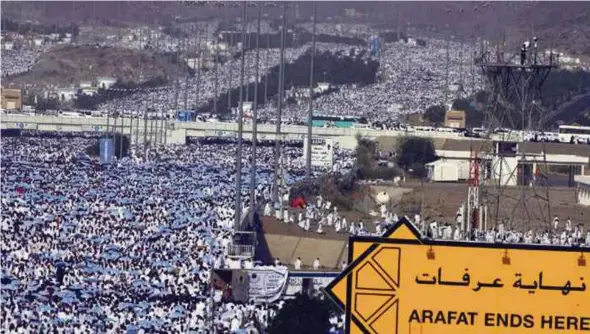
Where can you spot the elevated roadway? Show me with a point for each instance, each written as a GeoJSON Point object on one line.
{"type": "Point", "coordinates": [176, 132]}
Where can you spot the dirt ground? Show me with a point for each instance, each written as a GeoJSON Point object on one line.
{"type": "Point", "coordinates": [441, 202]}
{"type": "Point", "coordinates": [271, 225]}
{"type": "Point", "coordinates": [67, 65]}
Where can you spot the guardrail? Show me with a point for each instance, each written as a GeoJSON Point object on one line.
{"type": "Point", "coordinates": [241, 251]}
{"type": "Point", "coordinates": [98, 124]}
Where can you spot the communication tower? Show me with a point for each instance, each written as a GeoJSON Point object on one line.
{"type": "Point", "coordinates": [510, 188]}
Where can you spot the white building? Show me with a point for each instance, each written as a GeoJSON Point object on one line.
{"type": "Point", "coordinates": [583, 189]}
{"type": "Point", "coordinates": [85, 84]}
{"type": "Point", "coordinates": [66, 94]}
{"type": "Point", "coordinates": [8, 45]}
{"type": "Point", "coordinates": [105, 82]}
{"type": "Point", "coordinates": [442, 171]}
{"type": "Point", "coordinates": [89, 91]}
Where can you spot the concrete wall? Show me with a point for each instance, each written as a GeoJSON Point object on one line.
{"type": "Point", "coordinates": [288, 248]}
{"type": "Point", "coordinates": [346, 138]}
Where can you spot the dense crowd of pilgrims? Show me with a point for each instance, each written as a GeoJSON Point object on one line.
{"type": "Point", "coordinates": [410, 79]}
{"type": "Point", "coordinates": [129, 246]}
{"type": "Point", "coordinates": [123, 247]}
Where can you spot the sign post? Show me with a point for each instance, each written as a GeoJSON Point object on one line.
{"type": "Point", "coordinates": [322, 152]}
{"type": "Point", "coordinates": [401, 283]}
{"type": "Point", "coordinates": [106, 150]}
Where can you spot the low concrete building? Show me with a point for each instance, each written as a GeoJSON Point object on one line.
{"type": "Point", "coordinates": [105, 82]}
{"type": "Point", "coordinates": [66, 94]}
{"type": "Point", "coordinates": [455, 119]}
{"type": "Point", "coordinates": [89, 91]}
{"type": "Point", "coordinates": [12, 98]}
{"type": "Point", "coordinates": [85, 84]}
{"type": "Point", "coordinates": [583, 189]}
{"type": "Point", "coordinates": [442, 171]}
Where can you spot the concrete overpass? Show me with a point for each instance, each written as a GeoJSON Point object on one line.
{"type": "Point", "coordinates": [176, 132]}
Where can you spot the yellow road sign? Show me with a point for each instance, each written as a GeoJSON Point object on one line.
{"type": "Point", "coordinates": [401, 283]}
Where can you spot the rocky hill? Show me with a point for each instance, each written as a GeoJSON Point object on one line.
{"type": "Point", "coordinates": [566, 23]}
{"type": "Point", "coordinates": [70, 64]}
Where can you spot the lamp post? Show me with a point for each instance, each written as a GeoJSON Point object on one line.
{"type": "Point", "coordinates": [310, 109]}
{"type": "Point", "coordinates": [240, 127]}
{"type": "Point", "coordinates": [255, 124]}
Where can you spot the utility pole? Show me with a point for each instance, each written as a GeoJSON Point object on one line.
{"type": "Point", "coordinates": [255, 123]}
{"type": "Point", "coordinates": [145, 134]}
{"type": "Point", "coordinates": [137, 126]}
{"type": "Point", "coordinates": [157, 121]}
{"type": "Point", "coordinates": [461, 71]}
{"type": "Point", "coordinates": [114, 128]}
{"type": "Point", "coordinates": [130, 129]}
{"type": "Point", "coordinates": [473, 51]}
{"type": "Point", "coordinates": [248, 79]}
{"type": "Point", "coordinates": [185, 49]}
{"type": "Point", "coordinates": [176, 81]}
{"type": "Point", "coordinates": [447, 74]}
{"type": "Point", "coordinates": [275, 193]}
{"type": "Point", "coordinates": [216, 82]}
{"type": "Point", "coordinates": [310, 109]}
{"type": "Point", "coordinates": [198, 65]}
{"type": "Point", "coordinates": [238, 215]}
{"type": "Point", "coordinates": [231, 67]}
{"type": "Point", "coordinates": [121, 135]}
{"type": "Point", "coordinates": [266, 75]}
{"type": "Point", "coordinates": [108, 110]}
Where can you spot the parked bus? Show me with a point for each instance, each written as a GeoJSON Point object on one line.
{"type": "Point", "coordinates": [69, 114]}
{"type": "Point", "coordinates": [574, 134]}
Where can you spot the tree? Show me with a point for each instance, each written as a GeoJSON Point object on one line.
{"type": "Point", "coordinates": [364, 152]}
{"type": "Point", "coordinates": [435, 114]}
{"type": "Point", "coordinates": [303, 315]}
{"type": "Point", "coordinates": [47, 104]}
{"type": "Point", "coordinates": [413, 153]}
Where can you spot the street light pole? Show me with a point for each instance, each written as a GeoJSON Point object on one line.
{"type": "Point", "coordinates": [275, 193]}
{"type": "Point", "coordinates": [310, 111]}
{"type": "Point", "coordinates": [240, 127]}
{"type": "Point", "coordinates": [255, 123]}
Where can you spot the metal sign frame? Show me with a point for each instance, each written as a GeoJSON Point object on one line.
{"type": "Point", "coordinates": [361, 250]}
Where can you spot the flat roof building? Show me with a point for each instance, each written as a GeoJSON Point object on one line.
{"type": "Point", "coordinates": [455, 119]}
{"type": "Point", "coordinates": [12, 98]}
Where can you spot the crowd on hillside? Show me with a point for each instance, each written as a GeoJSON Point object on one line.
{"type": "Point", "coordinates": [184, 92]}
{"type": "Point", "coordinates": [228, 76]}
{"type": "Point", "coordinates": [18, 61]}
{"type": "Point", "coordinates": [410, 79]}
